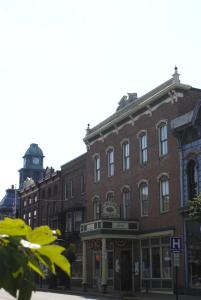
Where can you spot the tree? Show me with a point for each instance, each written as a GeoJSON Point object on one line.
{"type": "Point", "coordinates": [25, 251]}
{"type": "Point", "coordinates": [194, 208]}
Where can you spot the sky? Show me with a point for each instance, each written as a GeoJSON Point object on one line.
{"type": "Point", "coordinates": [67, 63]}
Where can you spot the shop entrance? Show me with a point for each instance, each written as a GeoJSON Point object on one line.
{"type": "Point", "coordinates": [126, 270]}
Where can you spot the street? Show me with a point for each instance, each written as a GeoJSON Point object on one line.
{"type": "Point", "coordinates": [49, 296]}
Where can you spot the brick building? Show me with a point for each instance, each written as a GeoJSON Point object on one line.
{"type": "Point", "coordinates": [134, 195]}
{"type": "Point", "coordinates": [73, 196]}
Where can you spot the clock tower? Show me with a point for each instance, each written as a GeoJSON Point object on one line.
{"type": "Point", "coordinates": [33, 164]}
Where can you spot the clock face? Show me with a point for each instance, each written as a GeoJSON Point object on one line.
{"type": "Point", "coordinates": [36, 160]}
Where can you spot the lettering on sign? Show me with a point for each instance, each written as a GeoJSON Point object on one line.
{"type": "Point", "coordinates": [119, 225]}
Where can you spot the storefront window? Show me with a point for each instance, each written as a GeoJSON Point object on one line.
{"type": "Point", "coordinates": [156, 268]}
{"type": "Point", "coordinates": [110, 264]}
{"type": "Point", "coordinates": [145, 262]}
{"type": "Point", "coordinates": [77, 268]}
{"type": "Point", "coordinates": [166, 262]}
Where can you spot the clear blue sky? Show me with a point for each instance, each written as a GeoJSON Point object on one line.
{"type": "Point", "coordinates": [67, 63]}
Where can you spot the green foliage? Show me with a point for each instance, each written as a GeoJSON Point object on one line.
{"type": "Point", "coordinates": [194, 208]}
{"type": "Point", "coordinates": [23, 252]}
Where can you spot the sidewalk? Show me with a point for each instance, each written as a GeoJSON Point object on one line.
{"type": "Point", "coordinates": [124, 296]}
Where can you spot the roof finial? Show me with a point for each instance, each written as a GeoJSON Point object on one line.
{"type": "Point", "coordinates": [176, 75]}
{"type": "Point", "coordinates": [88, 128]}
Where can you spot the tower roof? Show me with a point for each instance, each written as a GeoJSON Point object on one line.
{"type": "Point", "coordinates": [34, 150]}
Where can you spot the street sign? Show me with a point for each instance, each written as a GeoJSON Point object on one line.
{"type": "Point", "coordinates": [176, 244]}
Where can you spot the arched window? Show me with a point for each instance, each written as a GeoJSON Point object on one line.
{"type": "Point", "coordinates": [192, 179]}
{"type": "Point", "coordinates": [164, 194]}
{"type": "Point", "coordinates": [163, 138]}
{"type": "Point", "coordinates": [125, 203]}
{"type": "Point", "coordinates": [143, 148]}
{"type": "Point", "coordinates": [126, 155]}
{"type": "Point", "coordinates": [144, 199]}
{"type": "Point", "coordinates": [110, 162]}
{"type": "Point", "coordinates": [97, 168]}
{"type": "Point", "coordinates": [96, 208]}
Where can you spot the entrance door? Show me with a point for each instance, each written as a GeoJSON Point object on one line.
{"type": "Point", "coordinates": [126, 270]}
{"type": "Point", "coordinates": [96, 268]}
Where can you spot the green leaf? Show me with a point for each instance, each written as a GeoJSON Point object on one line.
{"type": "Point", "coordinates": [13, 227]}
{"type": "Point", "coordinates": [41, 235]}
{"type": "Point", "coordinates": [53, 252]}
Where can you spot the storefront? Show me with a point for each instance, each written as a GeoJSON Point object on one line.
{"type": "Point", "coordinates": [193, 231]}
{"type": "Point", "coordinates": [109, 254]}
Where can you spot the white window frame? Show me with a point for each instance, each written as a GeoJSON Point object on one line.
{"type": "Point", "coordinates": [126, 155]}
{"type": "Point", "coordinates": [144, 198]}
{"type": "Point", "coordinates": [126, 195]}
{"type": "Point", "coordinates": [164, 194]}
{"type": "Point", "coordinates": [143, 148]}
{"type": "Point", "coordinates": [110, 162]}
{"type": "Point", "coordinates": [163, 138]}
{"type": "Point", "coordinates": [97, 168]}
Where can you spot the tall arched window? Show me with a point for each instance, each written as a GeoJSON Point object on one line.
{"type": "Point", "coordinates": [192, 179]}
{"type": "Point", "coordinates": [97, 168]}
{"type": "Point", "coordinates": [96, 208]}
{"type": "Point", "coordinates": [144, 198]}
{"type": "Point", "coordinates": [125, 203]}
{"type": "Point", "coordinates": [164, 194]}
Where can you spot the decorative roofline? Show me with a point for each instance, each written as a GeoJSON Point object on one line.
{"type": "Point", "coordinates": [133, 107]}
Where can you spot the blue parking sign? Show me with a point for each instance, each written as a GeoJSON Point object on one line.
{"type": "Point", "coordinates": [176, 244]}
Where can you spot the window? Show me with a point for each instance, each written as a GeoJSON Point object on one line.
{"type": "Point", "coordinates": [65, 190]}
{"type": "Point", "coordinates": [144, 199]}
{"type": "Point", "coordinates": [55, 189]}
{"type": "Point", "coordinates": [77, 220]}
{"type": "Point", "coordinates": [25, 203]}
{"type": "Point", "coordinates": [192, 179]}
{"type": "Point", "coordinates": [71, 189]}
{"type": "Point", "coordinates": [35, 198]}
{"type": "Point", "coordinates": [164, 194]}
{"type": "Point", "coordinates": [110, 162]}
{"type": "Point", "coordinates": [163, 140]}
{"type": "Point", "coordinates": [97, 168]}
{"type": "Point", "coordinates": [82, 184]}
{"type": "Point", "coordinates": [30, 200]}
{"type": "Point", "coordinates": [29, 218]}
{"type": "Point", "coordinates": [156, 262]}
{"type": "Point", "coordinates": [125, 203]}
{"type": "Point", "coordinates": [143, 148]}
{"type": "Point", "coordinates": [49, 192]}
{"type": "Point", "coordinates": [126, 156]}
{"type": "Point", "coordinates": [69, 220]}
{"type": "Point", "coordinates": [96, 209]}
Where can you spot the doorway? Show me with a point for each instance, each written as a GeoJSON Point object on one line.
{"type": "Point", "coordinates": [126, 270]}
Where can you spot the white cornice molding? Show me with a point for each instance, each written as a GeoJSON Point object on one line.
{"type": "Point", "coordinates": [143, 102]}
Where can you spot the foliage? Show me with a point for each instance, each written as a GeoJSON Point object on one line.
{"type": "Point", "coordinates": [194, 208]}
{"type": "Point", "coordinates": [25, 251]}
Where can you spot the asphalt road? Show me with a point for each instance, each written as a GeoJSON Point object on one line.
{"type": "Point", "coordinates": [48, 296]}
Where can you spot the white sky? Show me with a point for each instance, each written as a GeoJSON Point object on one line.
{"type": "Point", "coordinates": [67, 63]}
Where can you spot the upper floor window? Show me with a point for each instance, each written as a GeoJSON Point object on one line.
{"type": "Point", "coordinates": [192, 179]}
{"type": "Point", "coordinates": [164, 194]}
{"type": "Point", "coordinates": [163, 139]}
{"type": "Point", "coordinates": [55, 189]}
{"type": "Point", "coordinates": [69, 220]}
{"type": "Point", "coordinates": [97, 168]}
{"type": "Point", "coordinates": [143, 148]}
{"type": "Point", "coordinates": [96, 209]}
{"type": "Point", "coordinates": [126, 155]}
{"type": "Point", "coordinates": [125, 203]}
{"type": "Point", "coordinates": [144, 199]}
{"type": "Point", "coordinates": [65, 190]}
{"type": "Point", "coordinates": [110, 162]}
{"type": "Point", "coordinates": [82, 184]}
{"type": "Point", "coordinates": [77, 220]}
{"type": "Point", "coordinates": [71, 189]}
